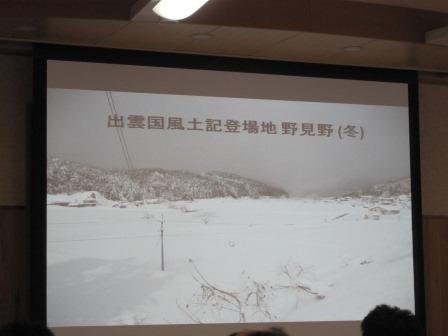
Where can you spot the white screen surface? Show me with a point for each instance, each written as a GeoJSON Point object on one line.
{"type": "Point", "coordinates": [194, 197]}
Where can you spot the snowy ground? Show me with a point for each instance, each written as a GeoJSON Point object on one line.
{"type": "Point", "coordinates": [226, 260]}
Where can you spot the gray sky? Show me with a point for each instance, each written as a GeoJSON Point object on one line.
{"type": "Point", "coordinates": [77, 130]}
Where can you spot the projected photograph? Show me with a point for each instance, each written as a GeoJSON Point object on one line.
{"type": "Point", "coordinates": [177, 209]}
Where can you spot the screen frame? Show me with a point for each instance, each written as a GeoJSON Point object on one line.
{"type": "Point", "coordinates": [37, 136]}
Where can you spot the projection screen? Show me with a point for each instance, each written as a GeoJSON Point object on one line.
{"type": "Point", "coordinates": [182, 200]}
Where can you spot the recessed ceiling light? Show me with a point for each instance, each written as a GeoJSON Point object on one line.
{"type": "Point", "coordinates": [177, 9]}
{"type": "Point", "coordinates": [352, 48]}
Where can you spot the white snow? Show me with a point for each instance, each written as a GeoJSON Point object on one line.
{"type": "Point", "coordinates": [78, 197]}
{"type": "Point", "coordinates": [226, 260]}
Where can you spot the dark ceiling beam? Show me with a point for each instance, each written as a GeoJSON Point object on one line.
{"type": "Point", "coordinates": [323, 16]}
{"type": "Point", "coordinates": [84, 10]}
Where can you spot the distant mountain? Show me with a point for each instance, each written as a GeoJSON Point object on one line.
{"type": "Point", "coordinates": [65, 176]}
{"type": "Point", "coordinates": [392, 189]}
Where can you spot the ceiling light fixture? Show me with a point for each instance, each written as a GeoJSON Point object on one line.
{"type": "Point", "coordinates": [177, 9]}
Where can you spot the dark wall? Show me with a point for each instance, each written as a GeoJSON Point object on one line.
{"type": "Point", "coordinates": [16, 90]}
{"type": "Point", "coordinates": [434, 178]}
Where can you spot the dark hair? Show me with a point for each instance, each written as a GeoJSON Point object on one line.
{"type": "Point", "coordinates": [25, 329]}
{"type": "Point", "coordinates": [266, 332]}
{"type": "Point", "coordinates": [385, 320]}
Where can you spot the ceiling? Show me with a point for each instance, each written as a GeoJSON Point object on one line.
{"type": "Point", "coordinates": [386, 33]}
{"type": "Point", "coordinates": [430, 5]}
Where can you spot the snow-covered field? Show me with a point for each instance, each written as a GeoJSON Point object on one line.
{"type": "Point", "coordinates": [226, 260]}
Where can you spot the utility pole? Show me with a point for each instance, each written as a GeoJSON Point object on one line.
{"type": "Point", "coordinates": [161, 245]}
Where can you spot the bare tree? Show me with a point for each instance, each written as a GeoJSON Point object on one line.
{"type": "Point", "coordinates": [255, 297]}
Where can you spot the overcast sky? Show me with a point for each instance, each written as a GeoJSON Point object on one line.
{"type": "Point", "coordinates": [77, 130]}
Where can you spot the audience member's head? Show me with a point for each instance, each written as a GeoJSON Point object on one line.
{"type": "Point", "coordinates": [261, 332]}
{"type": "Point", "coordinates": [25, 329]}
{"type": "Point", "coordinates": [390, 321]}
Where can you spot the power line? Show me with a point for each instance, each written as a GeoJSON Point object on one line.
{"type": "Point", "coordinates": [102, 238]}
{"type": "Point", "coordinates": [119, 131]}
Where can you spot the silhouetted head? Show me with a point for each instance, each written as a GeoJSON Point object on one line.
{"type": "Point", "coordinates": [390, 321]}
{"type": "Point", "coordinates": [25, 329]}
{"type": "Point", "coordinates": [261, 332]}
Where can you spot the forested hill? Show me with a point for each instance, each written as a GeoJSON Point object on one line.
{"type": "Point", "coordinates": [132, 185]}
